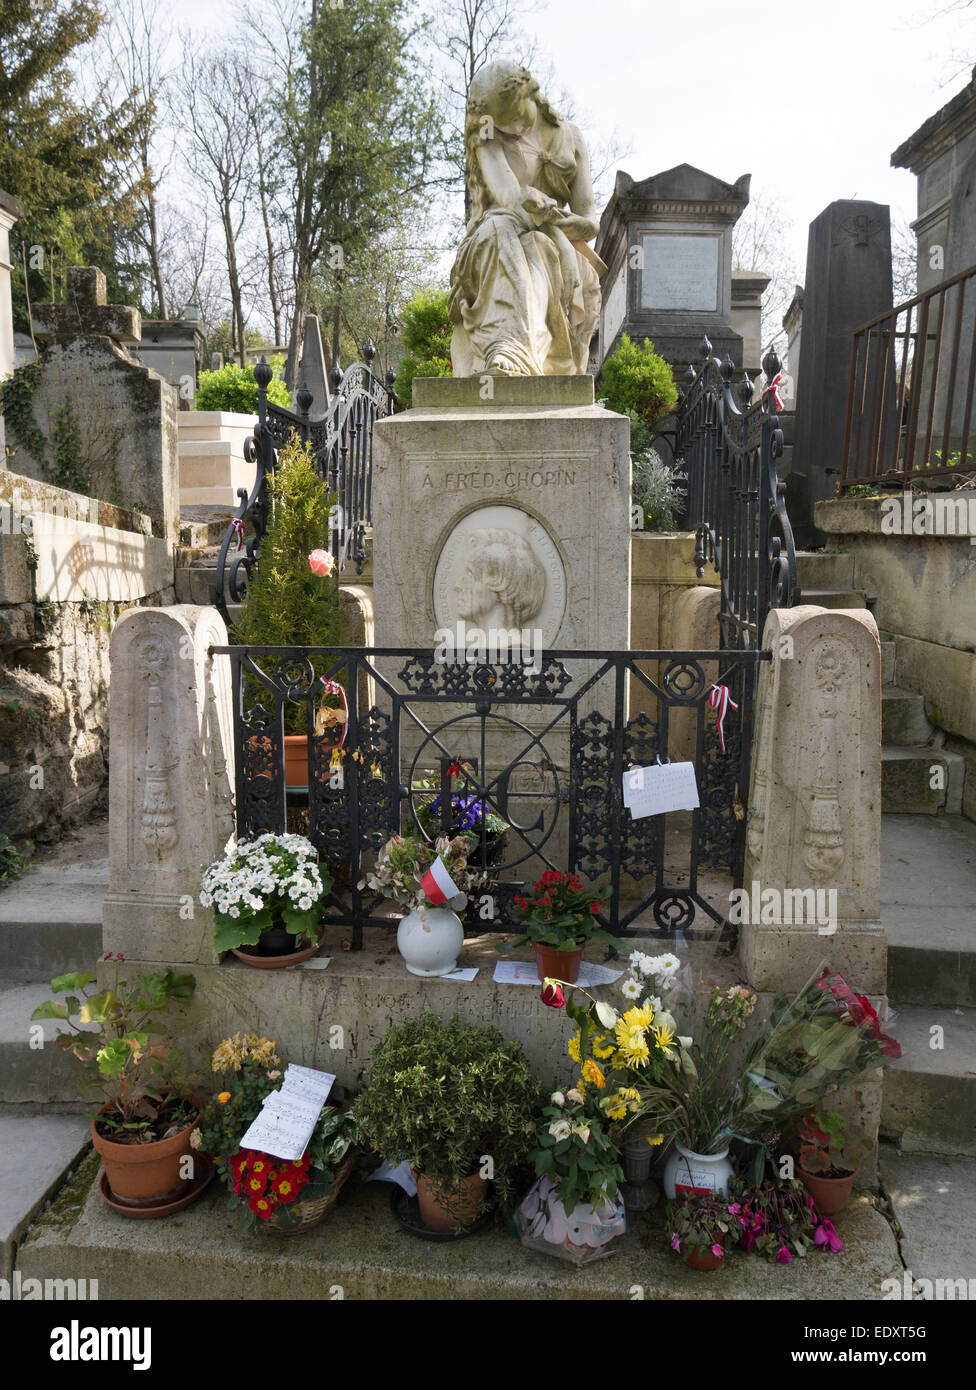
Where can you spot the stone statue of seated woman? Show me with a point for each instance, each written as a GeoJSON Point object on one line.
{"type": "Point", "coordinates": [525, 290]}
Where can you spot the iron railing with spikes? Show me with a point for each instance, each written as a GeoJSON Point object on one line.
{"type": "Point", "coordinates": [728, 444]}
{"type": "Point", "coordinates": [341, 441]}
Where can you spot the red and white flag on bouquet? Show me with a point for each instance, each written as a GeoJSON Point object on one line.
{"type": "Point", "coordinates": [438, 884]}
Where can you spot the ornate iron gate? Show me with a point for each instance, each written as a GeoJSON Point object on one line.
{"type": "Point", "coordinates": [544, 747]}
{"type": "Point", "coordinates": [342, 446]}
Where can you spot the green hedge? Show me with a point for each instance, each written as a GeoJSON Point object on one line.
{"type": "Point", "coordinates": [234, 388]}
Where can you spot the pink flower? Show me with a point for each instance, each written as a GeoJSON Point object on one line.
{"type": "Point", "coordinates": [717, 1250]}
{"type": "Point", "coordinates": [321, 562]}
{"type": "Point", "coordinates": [675, 1242]}
{"type": "Point", "coordinates": [120, 957]}
{"type": "Point", "coordinates": [826, 1236]}
{"type": "Point", "coordinates": [783, 1256]}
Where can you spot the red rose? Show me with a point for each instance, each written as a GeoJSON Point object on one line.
{"type": "Point", "coordinates": [553, 996]}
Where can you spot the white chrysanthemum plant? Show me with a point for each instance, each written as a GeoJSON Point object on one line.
{"type": "Point", "coordinates": [650, 979]}
{"type": "Point", "coordinates": [274, 880]}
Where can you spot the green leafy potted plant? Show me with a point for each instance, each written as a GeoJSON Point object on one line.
{"type": "Point", "coordinates": [830, 1152]}
{"type": "Point", "coordinates": [271, 1193]}
{"type": "Point", "coordinates": [700, 1226]}
{"type": "Point", "coordinates": [293, 600]}
{"type": "Point", "coordinates": [268, 894]}
{"type": "Point", "coordinates": [142, 1129]}
{"type": "Point", "coordinates": [559, 917]}
{"type": "Point", "coordinates": [457, 1102]}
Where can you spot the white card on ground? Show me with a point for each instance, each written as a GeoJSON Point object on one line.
{"type": "Point", "coordinates": [516, 972]}
{"type": "Point", "coordinates": [524, 972]}
{"type": "Point", "coordinates": [466, 972]}
{"type": "Point", "coordinates": [599, 974]}
{"type": "Point", "coordinates": [316, 963]}
{"type": "Point", "coordinates": [651, 791]}
{"type": "Point", "coordinates": [401, 1175]}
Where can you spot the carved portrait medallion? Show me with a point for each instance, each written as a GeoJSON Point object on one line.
{"type": "Point", "coordinates": [499, 568]}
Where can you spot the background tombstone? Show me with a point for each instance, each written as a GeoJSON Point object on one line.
{"type": "Point", "coordinates": [174, 348]}
{"type": "Point", "coordinates": [667, 242]}
{"type": "Point", "coordinates": [848, 282]}
{"type": "Point", "coordinates": [170, 783]}
{"type": "Point", "coordinates": [312, 373]}
{"type": "Point", "coordinates": [115, 417]}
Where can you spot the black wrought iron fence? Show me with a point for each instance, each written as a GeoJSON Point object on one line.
{"type": "Point", "coordinates": [729, 445]}
{"type": "Point", "coordinates": [342, 446]}
{"type": "Point", "coordinates": [544, 748]}
{"type": "Point", "coordinates": [911, 389]}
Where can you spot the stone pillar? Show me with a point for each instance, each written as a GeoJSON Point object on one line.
{"type": "Point", "coordinates": [171, 781]}
{"type": "Point", "coordinates": [815, 821]}
{"type": "Point", "coordinates": [815, 802]}
{"type": "Point", "coordinates": [848, 282]}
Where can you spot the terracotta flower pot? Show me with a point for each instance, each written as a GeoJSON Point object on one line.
{"type": "Point", "coordinates": [831, 1195]}
{"type": "Point", "coordinates": [145, 1172]}
{"type": "Point", "coordinates": [704, 1260]}
{"type": "Point", "coordinates": [562, 965]}
{"type": "Point", "coordinates": [458, 1206]}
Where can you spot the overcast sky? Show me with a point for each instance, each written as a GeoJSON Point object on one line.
{"type": "Point", "coordinates": [809, 98]}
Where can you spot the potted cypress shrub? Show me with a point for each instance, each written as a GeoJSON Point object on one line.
{"type": "Point", "coordinates": [293, 598]}
{"type": "Point", "coordinates": [443, 1095]}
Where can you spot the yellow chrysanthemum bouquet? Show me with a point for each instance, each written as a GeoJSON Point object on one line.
{"type": "Point", "coordinates": [623, 1057]}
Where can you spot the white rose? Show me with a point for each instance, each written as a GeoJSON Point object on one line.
{"type": "Point", "coordinates": [560, 1129]}
{"type": "Point", "coordinates": [558, 1098]}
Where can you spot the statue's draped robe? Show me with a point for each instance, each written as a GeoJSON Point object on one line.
{"type": "Point", "coordinates": [524, 292]}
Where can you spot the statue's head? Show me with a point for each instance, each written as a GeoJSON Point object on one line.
{"type": "Point", "coordinates": [506, 92]}
{"type": "Point", "coordinates": [502, 571]}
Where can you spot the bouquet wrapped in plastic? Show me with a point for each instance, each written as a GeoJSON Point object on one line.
{"type": "Point", "coordinates": [819, 1041]}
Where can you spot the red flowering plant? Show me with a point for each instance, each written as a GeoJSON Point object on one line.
{"type": "Point", "coordinates": [264, 1188]}
{"type": "Point", "coordinates": [560, 913]}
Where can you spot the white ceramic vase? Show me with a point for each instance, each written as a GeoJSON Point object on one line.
{"type": "Point", "coordinates": [429, 942]}
{"type": "Point", "coordinates": [706, 1174]}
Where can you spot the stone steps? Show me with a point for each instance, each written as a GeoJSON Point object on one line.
{"type": "Point", "coordinates": [360, 1252]}
{"type": "Point", "coordinates": [906, 780]}
{"type": "Point", "coordinates": [932, 1199]}
{"type": "Point", "coordinates": [51, 919]}
{"type": "Point", "coordinates": [930, 1092]}
{"type": "Point", "coordinates": [834, 598]}
{"type": "Point", "coordinates": [31, 1072]}
{"type": "Point", "coordinates": [825, 569]}
{"type": "Point", "coordinates": [903, 721]}
{"type": "Point", "coordinates": [929, 909]}
{"type": "Point", "coordinates": [37, 1153]}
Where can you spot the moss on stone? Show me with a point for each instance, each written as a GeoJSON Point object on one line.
{"type": "Point", "coordinates": [67, 1205]}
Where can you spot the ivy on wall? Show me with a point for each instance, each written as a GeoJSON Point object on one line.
{"type": "Point", "coordinates": [16, 396]}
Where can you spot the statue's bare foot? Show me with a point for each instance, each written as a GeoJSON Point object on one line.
{"type": "Point", "coordinates": [500, 365]}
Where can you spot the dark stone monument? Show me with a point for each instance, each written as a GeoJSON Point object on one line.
{"type": "Point", "coordinates": [848, 282]}
{"type": "Point", "coordinates": [667, 243]}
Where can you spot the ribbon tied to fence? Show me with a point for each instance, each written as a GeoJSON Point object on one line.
{"type": "Point", "coordinates": [238, 529]}
{"type": "Point", "coordinates": [720, 698]}
{"type": "Point", "coordinates": [772, 389]}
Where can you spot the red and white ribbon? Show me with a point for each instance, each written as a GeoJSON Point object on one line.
{"type": "Point", "coordinates": [334, 688]}
{"type": "Point", "coordinates": [438, 884]}
{"type": "Point", "coordinates": [720, 698]}
{"type": "Point", "coordinates": [772, 389]}
{"type": "Point", "coordinates": [238, 528]}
